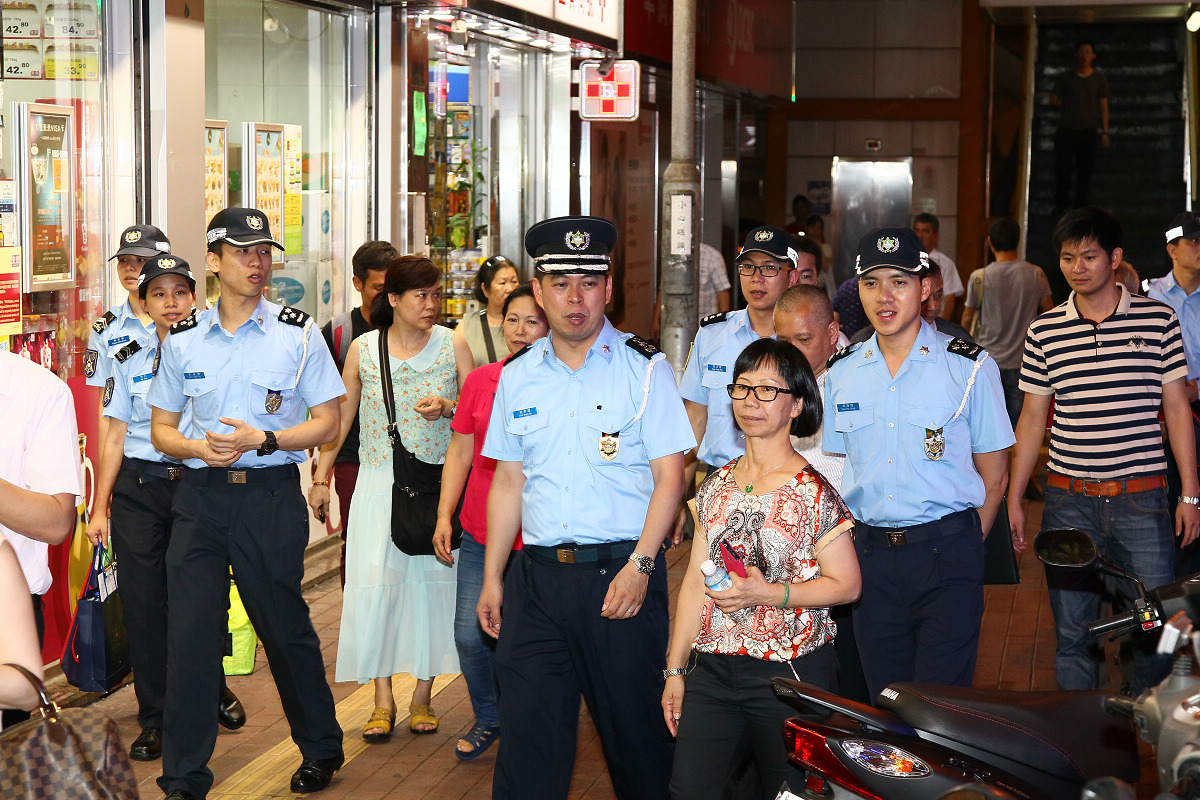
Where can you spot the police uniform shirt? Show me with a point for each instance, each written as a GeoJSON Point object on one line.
{"type": "Point", "coordinates": [125, 398]}
{"type": "Point", "coordinates": [909, 459]}
{"type": "Point", "coordinates": [708, 371]}
{"type": "Point", "coordinates": [118, 328]}
{"type": "Point", "coordinates": [585, 438]}
{"type": "Point", "coordinates": [268, 374]}
{"type": "Point", "coordinates": [1187, 308]}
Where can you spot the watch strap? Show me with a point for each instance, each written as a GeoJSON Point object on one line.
{"type": "Point", "coordinates": [645, 564]}
{"type": "Point", "coordinates": [668, 673]}
{"type": "Point", "coordinates": [1192, 501]}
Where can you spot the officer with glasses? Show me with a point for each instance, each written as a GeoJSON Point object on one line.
{"type": "Point", "coordinates": [766, 268]}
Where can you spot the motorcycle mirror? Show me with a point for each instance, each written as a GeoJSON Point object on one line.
{"type": "Point", "coordinates": [1065, 547]}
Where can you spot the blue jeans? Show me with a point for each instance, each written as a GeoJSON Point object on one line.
{"type": "Point", "coordinates": [1014, 398]}
{"type": "Point", "coordinates": [1134, 532]}
{"type": "Point", "coordinates": [476, 650]}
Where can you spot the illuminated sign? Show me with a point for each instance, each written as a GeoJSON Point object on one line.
{"type": "Point", "coordinates": [609, 98]}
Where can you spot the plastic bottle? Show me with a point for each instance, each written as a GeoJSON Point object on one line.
{"type": "Point", "coordinates": [716, 578]}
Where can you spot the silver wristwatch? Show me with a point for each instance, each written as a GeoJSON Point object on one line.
{"type": "Point", "coordinates": [645, 564]}
{"type": "Point", "coordinates": [667, 673]}
{"type": "Point", "coordinates": [1191, 501]}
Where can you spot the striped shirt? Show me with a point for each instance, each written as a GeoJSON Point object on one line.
{"type": "Point", "coordinates": [1106, 379]}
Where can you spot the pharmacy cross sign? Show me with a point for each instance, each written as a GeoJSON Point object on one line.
{"type": "Point", "coordinates": [611, 97]}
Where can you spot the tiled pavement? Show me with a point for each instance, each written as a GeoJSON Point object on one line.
{"type": "Point", "coordinates": [1015, 652]}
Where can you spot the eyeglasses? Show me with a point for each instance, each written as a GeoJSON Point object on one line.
{"type": "Point", "coordinates": [766, 270]}
{"type": "Point", "coordinates": [765, 394]}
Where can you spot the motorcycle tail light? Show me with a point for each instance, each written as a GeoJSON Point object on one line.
{"type": "Point", "coordinates": [884, 759]}
{"type": "Point", "coordinates": [810, 750]}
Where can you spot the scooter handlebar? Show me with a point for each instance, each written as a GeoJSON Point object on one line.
{"type": "Point", "coordinates": [1117, 625]}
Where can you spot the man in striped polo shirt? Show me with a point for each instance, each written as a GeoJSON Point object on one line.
{"type": "Point", "coordinates": [1109, 361]}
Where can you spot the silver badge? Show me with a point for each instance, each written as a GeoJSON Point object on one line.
{"type": "Point", "coordinates": [763, 236]}
{"type": "Point", "coordinates": [888, 244]}
{"type": "Point", "coordinates": [935, 444]}
{"type": "Point", "coordinates": [610, 443]}
{"type": "Point", "coordinates": [133, 236]}
{"type": "Point", "coordinates": [577, 240]}
{"type": "Point", "coordinates": [274, 400]}
{"type": "Point", "coordinates": [254, 223]}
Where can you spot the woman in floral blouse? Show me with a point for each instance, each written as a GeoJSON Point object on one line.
{"type": "Point", "coordinates": [794, 534]}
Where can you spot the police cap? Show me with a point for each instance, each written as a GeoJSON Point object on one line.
{"type": "Point", "coordinates": [164, 264]}
{"type": "Point", "coordinates": [571, 245]}
{"type": "Point", "coordinates": [142, 240]}
{"type": "Point", "coordinates": [241, 227]}
{"type": "Point", "coordinates": [898, 248]}
{"type": "Point", "coordinates": [772, 241]}
{"type": "Point", "coordinates": [1185, 226]}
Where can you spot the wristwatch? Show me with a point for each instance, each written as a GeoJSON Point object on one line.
{"type": "Point", "coordinates": [1191, 501]}
{"type": "Point", "coordinates": [645, 564]}
{"type": "Point", "coordinates": [269, 445]}
{"type": "Point", "coordinates": [667, 673]}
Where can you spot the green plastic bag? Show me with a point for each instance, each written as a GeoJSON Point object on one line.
{"type": "Point", "coordinates": [242, 641]}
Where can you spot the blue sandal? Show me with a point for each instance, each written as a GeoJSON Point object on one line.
{"type": "Point", "coordinates": [480, 739]}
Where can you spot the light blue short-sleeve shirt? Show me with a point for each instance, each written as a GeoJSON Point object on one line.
{"type": "Point", "coordinates": [585, 438]}
{"type": "Point", "coordinates": [132, 376]}
{"type": "Point", "coordinates": [708, 371]}
{"type": "Point", "coordinates": [909, 447]}
{"type": "Point", "coordinates": [117, 329]}
{"type": "Point", "coordinates": [1187, 308]}
{"type": "Point", "coordinates": [268, 374]}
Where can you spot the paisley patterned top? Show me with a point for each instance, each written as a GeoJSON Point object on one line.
{"type": "Point", "coordinates": [430, 372]}
{"type": "Point", "coordinates": [779, 533]}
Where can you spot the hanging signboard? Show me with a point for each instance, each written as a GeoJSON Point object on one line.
{"type": "Point", "coordinates": [609, 98]}
{"type": "Point", "coordinates": [45, 140]}
{"type": "Point", "coordinates": [602, 17]}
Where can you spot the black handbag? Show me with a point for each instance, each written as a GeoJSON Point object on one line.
{"type": "Point", "coordinates": [416, 485]}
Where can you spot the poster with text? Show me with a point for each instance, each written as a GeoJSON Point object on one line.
{"type": "Point", "coordinates": [10, 292]}
{"type": "Point", "coordinates": [268, 176]}
{"type": "Point", "coordinates": [216, 155]}
{"type": "Point", "coordinates": [47, 138]}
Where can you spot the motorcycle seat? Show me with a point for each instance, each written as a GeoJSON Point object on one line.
{"type": "Point", "coordinates": [1065, 734]}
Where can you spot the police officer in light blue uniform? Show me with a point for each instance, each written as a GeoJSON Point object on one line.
{"type": "Point", "coordinates": [141, 482]}
{"type": "Point", "coordinates": [252, 371]}
{"type": "Point", "coordinates": [766, 267]}
{"type": "Point", "coordinates": [921, 418]}
{"type": "Point", "coordinates": [126, 323]}
{"type": "Point", "coordinates": [589, 433]}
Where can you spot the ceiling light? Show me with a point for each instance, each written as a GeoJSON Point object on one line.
{"type": "Point", "coordinates": [1193, 21]}
{"type": "Point", "coordinates": [560, 47]}
{"type": "Point", "coordinates": [518, 36]}
{"type": "Point", "coordinates": [442, 15]}
{"type": "Point", "coordinates": [540, 43]}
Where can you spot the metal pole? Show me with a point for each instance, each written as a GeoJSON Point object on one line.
{"type": "Point", "coordinates": [681, 197]}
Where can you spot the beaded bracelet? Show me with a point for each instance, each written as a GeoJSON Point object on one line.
{"type": "Point", "coordinates": [320, 483]}
{"type": "Point", "coordinates": [787, 594]}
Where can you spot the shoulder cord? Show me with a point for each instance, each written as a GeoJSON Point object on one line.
{"type": "Point", "coordinates": [304, 353]}
{"type": "Point", "coordinates": [970, 383]}
{"type": "Point", "coordinates": [646, 384]}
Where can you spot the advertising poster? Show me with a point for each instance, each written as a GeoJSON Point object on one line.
{"type": "Point", "coordinates": [216, 156]}
{"type": "Point", "coordinates": [10, 292]}
{"type": "Point", "coordinates": [8, 213]}
{"type": "Point", "coordinates": [48, 146]}
{"type": "Point", "coordinates": [293, 171]}
{"type": "Point", "coordinates": [263, 149]}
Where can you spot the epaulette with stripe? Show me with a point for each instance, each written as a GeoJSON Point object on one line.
{"type": "Point", "coordinates": [108, 319]}
{"type": "Point", "coordinates": [128, 350]}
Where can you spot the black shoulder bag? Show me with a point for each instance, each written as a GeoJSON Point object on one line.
{"type": "Point", "coordinates": [416, 485]}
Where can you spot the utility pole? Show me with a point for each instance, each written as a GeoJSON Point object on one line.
{"type": "Point", "coordinates": [680, 210]}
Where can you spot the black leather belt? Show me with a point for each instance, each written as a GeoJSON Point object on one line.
{"type": "Point", "coordinates": [216, 476]}
{"type": "Point", "coordinates": [152, 470]}
{"type": "Point", "coordinates": [568, 553]}
{"type": "Point", "coordinates": [949, 525]}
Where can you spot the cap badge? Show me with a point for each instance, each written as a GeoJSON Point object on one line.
{"type": "Point", "coordinates": [254, 223]}
{"type": "Point", "coordinates": [578, 240]}
{"type": "Point", "coordinates": [935, 444]}
{"type": "Point", "coordinates": [888, 244]}
{"type": "Point", "coordinates": [763, 236]}
{"type": "Point", "coordinates": [167, 263]}
{"type": "Point", "coordinates": [610, 444]}
{"type": "Point", "coordinates": [132, 236]}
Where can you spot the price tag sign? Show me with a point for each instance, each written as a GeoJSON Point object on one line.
{"type": "Point", "coordinates": [73, 21]}
{"type": "Point", "coordinates": [22, 23]}
{"type": "Point", "coordinates": [71, 65]}
{"type": "Point", "coordinates": [23, 62]}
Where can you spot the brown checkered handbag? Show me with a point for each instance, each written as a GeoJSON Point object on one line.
{"type": "Point", "coordinates": [64, 755]}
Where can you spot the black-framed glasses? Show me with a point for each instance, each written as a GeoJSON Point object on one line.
{"type": "Point", "coordinates": [766, 270]}
{"type": "Point", "coordinates": [765, 394]}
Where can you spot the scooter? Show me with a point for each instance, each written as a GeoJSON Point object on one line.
{"type": "Point", "coordinates": [924, 741]}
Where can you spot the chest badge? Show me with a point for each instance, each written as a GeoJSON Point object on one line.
{"type": "Point", "coordinates": [610, 444]}
{"type": "Point", "coordinates": [935, 444]}
{"type": "Point", "coordinates": [274, 400]}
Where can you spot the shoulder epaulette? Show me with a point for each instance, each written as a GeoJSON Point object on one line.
{"type": "Point", "coordinates": [185, 324]}
{"type": "Point", "coordinates": [128, 350]}
{"type": "Point", "coordinates": [517, 354]}
{"type": "Point", "coordinates": [962, 347]}
{"type": "Point", "coordinates": [108, 319]}
{"type": "Point", "coordinates": [713, 319]}
{"type": "Point", "coordinates": [842, 353]}
{"type": "Point", "coordinates": [293, 316]}
{"type": "Point", "coordinates": [640, 345]}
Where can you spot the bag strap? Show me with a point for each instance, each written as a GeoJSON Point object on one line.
{"type": "Point", "coordinates": [385, 379]}
{"type": "Point", "coordinates": [487, 337]}
{"type": "Point", "coordinates": [47, 707]}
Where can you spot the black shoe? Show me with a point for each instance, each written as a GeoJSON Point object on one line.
{"type": "Point", "coordinates": [180, 794]}
{"type": "Point", "coordinates": [316, 773]}
{"type": "Point", "coordinates": [148, 746]}
{"type": "Point", "coordinates": [230, 713]}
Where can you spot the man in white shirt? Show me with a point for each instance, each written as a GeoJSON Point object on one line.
{"type": "Point", "coordinates": [39, 470]}
{"type": "Point", "coordinates": [928, 227]}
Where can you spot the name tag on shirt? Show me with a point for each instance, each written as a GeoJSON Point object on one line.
{"type": "Point", "coordinates": [716, 368]}
{"type": "Point", "coordinates": [524, 412]}
{"type": "Point", "coordinates": [847, 406]}
{"type": "Point", "coordinates": [193, 376]}
{"type": "Point", "coordinates": [118, 340]}
{"type": "Point", "coordinates": [140, 378]}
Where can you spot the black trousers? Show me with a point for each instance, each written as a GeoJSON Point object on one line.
{"type": "Point", "coordinates": [140, 526]}
{"type": "Point", "coordinates": [554, 645]}
{"type": "Point", "coordinates": [922, 605]}
{"type": "Point", "coordinates": [1074, 151]}
{"type": "Point", "coordinates": [731, 714]}
{"type": "Point", "coordinates": [260, 528]}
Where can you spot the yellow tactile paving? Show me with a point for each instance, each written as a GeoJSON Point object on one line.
{"type": "Point", "coordinates": [270, 774]}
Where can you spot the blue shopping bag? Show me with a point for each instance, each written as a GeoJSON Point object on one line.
{"type": "Point", "coordinates": [96, 654]}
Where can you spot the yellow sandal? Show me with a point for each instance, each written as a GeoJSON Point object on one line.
{"type": "Point", "coordinates": [383, 720]}
{"type": "Point", "coordinates": [420, 714]}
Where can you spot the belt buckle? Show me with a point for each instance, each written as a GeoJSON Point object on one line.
{"type": "Point", "coordinates": [565, 556]}
{"type": "Point", "coordinates": [897, 538]}
{"type": "Point", "coordinates": [236, 476]}
{"type": "Point", "coordinates": [174, 473]}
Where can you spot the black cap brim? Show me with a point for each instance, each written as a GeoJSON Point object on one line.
{"type": "Point", "coordinates": [143, 252]}
{"type": "Point", "coordinates": [251, 242]}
